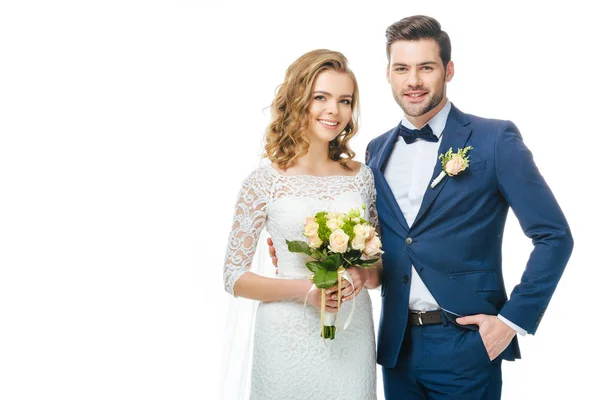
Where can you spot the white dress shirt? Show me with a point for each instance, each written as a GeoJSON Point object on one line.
{"type": "Point", "coordinates": [408, 172]}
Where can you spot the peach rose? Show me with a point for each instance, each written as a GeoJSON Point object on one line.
{"type": "Point", "coordinates": [373, 247]}
{"type": "Point", "coordinates": [314, 242]}
{"type": "Point", "coordinates": [308, 220]}
{"type": "Point", "coordinates": [338, 241]}
{"type": "Point", "coordinates": [311, 227]}
{"type": "Point", "coordinates": [370, 231]}
{"type": "Point", "coordinates": [455, 165]}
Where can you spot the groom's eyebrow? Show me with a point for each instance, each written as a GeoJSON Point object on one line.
{"type": "Point", "coordinates": [399, 64]}
{"type": "Point", "coordinates": [329, 94]}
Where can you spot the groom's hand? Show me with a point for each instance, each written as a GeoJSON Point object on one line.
{"type": "Point", "coordinates": [272, 254]}
{"type": "Point", "coordinates": [496, 335]}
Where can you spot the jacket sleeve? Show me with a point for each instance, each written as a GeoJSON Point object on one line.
{"type": "Point", "coordinates": [541, 219]}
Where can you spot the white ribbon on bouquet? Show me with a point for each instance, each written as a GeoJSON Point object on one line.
{"type": "Point", "coordinates": [329, 318]}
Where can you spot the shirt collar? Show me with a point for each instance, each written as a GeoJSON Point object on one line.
{"type": "Point", "coordinates": [437, 123]}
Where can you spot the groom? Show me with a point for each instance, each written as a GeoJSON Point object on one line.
{"type": "Point", "coordinates": [446, 323]}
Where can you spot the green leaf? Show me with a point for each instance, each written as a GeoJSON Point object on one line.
{"type": "Point", "coordinates": [373, 261]}
{"type": "Point", "coordinates": [353, 254]}
{"type": "Point", "coordinates": [316, 254]}
{"type": "Point", "coordinates": [366, 263]}
{"type": "Point", "coordinates": [325, 279]}
{"type": "Point", "coordinates": [332, 262]}
{"type": "Point", "coordinates": [346, 262]}
{"type": "Point", "coordinates": [314, 266]}
{"type": "Point", "coordinates": [297, 246]}
{"type": "Point", "coordinates": [351, 258]}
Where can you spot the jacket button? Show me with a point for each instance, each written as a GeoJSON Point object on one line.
{"type": "Point", "coordinates": [408, 240]}
{"type": "Point", "coordinates": [405, 279]}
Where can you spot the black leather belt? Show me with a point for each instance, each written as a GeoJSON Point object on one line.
{"type": "Point", "coordinates": [425, 317]}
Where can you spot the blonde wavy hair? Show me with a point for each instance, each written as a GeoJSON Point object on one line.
{"type": "Point", "coordinates": [284, 140]}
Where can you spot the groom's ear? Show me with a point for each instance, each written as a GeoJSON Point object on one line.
{"type": "Point", "coordinates": [387, 73]}
{"type": "Point", "coordinates": [449, 71]}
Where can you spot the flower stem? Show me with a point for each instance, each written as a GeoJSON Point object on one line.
{"type": "Point", "coordinates": [438, 179]}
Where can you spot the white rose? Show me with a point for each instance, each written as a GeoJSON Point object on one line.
{"type": "Point", "coordinates": [333, 224]}
{"type": "Point", "coordinates": [338, 241]}
{"type": "Point", "coordinates": [332, 215]}
{"type": "Point", "coordinates": [361, 230]}
{"type": "Point", "coordinates": [358, 243]}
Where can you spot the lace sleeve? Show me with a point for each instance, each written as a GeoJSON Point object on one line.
{"type": "Point", "coordinates": [248, 221]}
{"type": "Point", "coordinates": [371, 200]}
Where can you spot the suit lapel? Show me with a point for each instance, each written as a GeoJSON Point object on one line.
{"type": "Point", "coordinates": [383, 190]}
{"type": "Point", "coordinates": [456, 133]}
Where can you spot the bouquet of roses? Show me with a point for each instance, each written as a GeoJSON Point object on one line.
{"type": "Point", "coordinates": [336, 241]}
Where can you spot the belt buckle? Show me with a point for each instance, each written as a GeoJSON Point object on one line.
{"type": "Point", "coordinates": [419, 316]}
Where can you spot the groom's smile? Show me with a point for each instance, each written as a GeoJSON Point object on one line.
{"type": "Point", "coordinates": [415, 96]}
{"type": "Point", "coordinates": [418, 78]}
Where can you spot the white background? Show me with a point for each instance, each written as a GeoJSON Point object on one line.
{"type": "Point", "coordinates": [127, 127]}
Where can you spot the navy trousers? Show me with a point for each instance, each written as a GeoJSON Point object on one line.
{"type": "Point", "coordinates": [443, 362]}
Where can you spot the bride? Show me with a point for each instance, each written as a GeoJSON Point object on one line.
{"type": "Point", "coordinates": [314, 115]}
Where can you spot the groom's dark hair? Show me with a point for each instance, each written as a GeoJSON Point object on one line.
{"type": "Point", "coordinates": [419, 27]}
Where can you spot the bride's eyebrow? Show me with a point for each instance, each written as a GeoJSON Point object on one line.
{"type": "Point", "coordinates": [329, 94]}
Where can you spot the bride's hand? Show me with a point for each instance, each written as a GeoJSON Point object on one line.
{"type": "Point", "coordinates": [314, 298]}
{"type": "Point", "coordinates": [359, 277]}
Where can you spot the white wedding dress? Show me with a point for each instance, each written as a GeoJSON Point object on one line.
{"type": "Point", "coordinates": [290, 360]}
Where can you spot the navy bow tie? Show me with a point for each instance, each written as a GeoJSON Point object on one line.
{"type": "Point", "coordinates": [411, 135]}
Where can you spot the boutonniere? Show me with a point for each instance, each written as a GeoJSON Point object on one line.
{"type": "Point", "coordinates": [452, 164]}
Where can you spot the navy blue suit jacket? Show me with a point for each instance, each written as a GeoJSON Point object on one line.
{"type": "Point", "coordinates": [456, 237]}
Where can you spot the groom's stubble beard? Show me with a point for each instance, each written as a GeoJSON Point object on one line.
{"type": "Point", "coordinates": [436, 99]}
